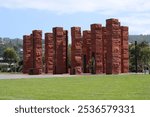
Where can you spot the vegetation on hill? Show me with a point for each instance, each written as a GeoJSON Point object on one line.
{"type": "Point", "coordinates": [17, 44]}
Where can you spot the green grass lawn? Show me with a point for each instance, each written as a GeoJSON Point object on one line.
{"type": "Point", "coordinates": [100, 87]}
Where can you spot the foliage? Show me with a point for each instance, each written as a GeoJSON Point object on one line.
{"type": "Point", "coordinates": [10, 56]}
{"type": "Point", "coordinates": [4, 68]}
{"type": "Point", "coordinates": [142, 51]}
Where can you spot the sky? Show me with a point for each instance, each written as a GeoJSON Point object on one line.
{"type": "Point", "coordinates": [20, 17]}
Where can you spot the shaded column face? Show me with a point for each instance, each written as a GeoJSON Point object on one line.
{"type": "Point", "coordinates": [86, 51]}
{"type": "Point", "coordinates": [49, 54]}
{"type": "Point", "coordinates": [65, 51]}
{"type": "Point", "coordinates": [59, 54]}
{"type": "Point", "coordinates": [27, 53]}
{"type": "Point", "coordinates": [113, 65]}
{"type": "Point", "coordinates": [97, 48]}
{"type": "Point", "coordinates": [124, 50]}
{"type": "Point", "coordinates": [76, 51]}
{"type": "Point", "coordinates": [104, 36]}
{"type": "Point", "coordinates": [37, 51]}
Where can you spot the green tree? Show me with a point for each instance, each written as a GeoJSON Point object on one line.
{"type": "Point", "coordinates": [132, 58]}
{"type": "Point", "coordinates": [143, 56]}
{"type": "Point", "coordinates": [10, 56]}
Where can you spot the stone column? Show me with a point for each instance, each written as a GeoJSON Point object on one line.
{"type": "Point", "coordinates": [104, 36]}
{"type": "Point", "coordinates": [97, 48]}
{"type": "Point", "coordinates": [27, 53]}
{"type": "Point", "coordinates": [113, 64]}
{"type": "Point", "coordinates": [49, 54]}
{"type": "Point", "coordinates": [124, 50]}
{"type": "Point", "coordinates": [86, 51]}
{"type": "Point", "coordinates": [76, 51]}
{"type": "Point", "coordinates": [37, 52]}
{"type": "Point", "coordinates": [58, 35]}
{"type": "Point", "coordinates": [65, 51]}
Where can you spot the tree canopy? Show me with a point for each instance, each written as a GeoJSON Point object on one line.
{"type": "Point", "coordinates": [10, 55]}
{"type": "Point", "coordinates": [141, 51]}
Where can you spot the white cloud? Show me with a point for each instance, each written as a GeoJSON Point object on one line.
{"type": "Point", "coordinates": [73, 6]}
{"type": "Point", "coordinates": [134, 13]}
{"type": "Point", "coordinates": [138, 23]}
{"type": "Point", "coordinates": [70, 6]}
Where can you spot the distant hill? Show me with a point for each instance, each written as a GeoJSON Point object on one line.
{"type": "Point", "coordinates": [139, 38]}
{"type": "Point", "coordinates": [17, 41]}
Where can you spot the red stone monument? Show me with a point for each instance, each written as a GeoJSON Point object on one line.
{"type": "Point", "coordinates": [113, 64]}
{"type": "Point", "coordinates": [49, 55]}
{"type": "Point", "coordinates": [65, 51]}
{"type": "Point", "coordinates": [76, 51]}
{"type": "Point", "coordinates": [86, 51]}
{"type": "Point", "coordinates": [97, 48]}
{"type": "Point", "coordinates": [101, 50]}
{"type": "Point", "coordinates": [27, 53]}
{"type": "Point", "coordinates": [37, 52]}
{"type": "Point", "coordinates": [104, 36]}
{"type": "Point", "coordinates": [60, 50]}
{"type": "Point", "coordinates": [124, 50]}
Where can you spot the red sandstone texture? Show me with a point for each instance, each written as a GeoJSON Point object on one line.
{"type": "Point", "coordinates": [49, 57]}
{"type": "Point", "coordinates": [113, 64]}
{"type": "Point", "coordinates": [86, 51]}
{"type": "Point", "coordinates": [104, 36]}
{"type": "Point", "coordinates": [97, 48]}
{"type": "Point", "coordinates": [60, 50]}
{"type": "Point", "coordinates": [124, 50]}
{"type": "Point", "coordinates": [37, 52]}
{"type": "Point", "coordinates": [27, 53]}
{"type": "Point", "coordinates": [65, 51]}
{"type": "Point", "coordinates": [76, 51]}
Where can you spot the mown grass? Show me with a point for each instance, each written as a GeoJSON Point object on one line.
{"type": "Point", "coordinates": [98, 87]}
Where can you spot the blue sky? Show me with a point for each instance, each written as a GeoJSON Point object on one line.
{"type": "Point", "coordinates": [19, 17]}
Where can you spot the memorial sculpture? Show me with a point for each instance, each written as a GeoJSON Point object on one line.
{"type": "Point", "coordinates": [101, 50]}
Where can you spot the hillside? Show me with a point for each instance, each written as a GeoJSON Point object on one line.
{"type": "Point", "coordinates": [139, 38]}
{"type": "Point", "coordinates": [19, 42]}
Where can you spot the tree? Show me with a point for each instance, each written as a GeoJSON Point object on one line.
{"type": "Point", "coordinates": [143, 56]}
{"type": "Point", "coordinates": [10, 56]}
{"type": "Point", "coordinates": [132, 61]}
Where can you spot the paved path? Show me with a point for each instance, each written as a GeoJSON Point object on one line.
{"type": "Point", "coordinates": [19, 76]}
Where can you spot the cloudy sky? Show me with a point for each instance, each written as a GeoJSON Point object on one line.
{"type": "Point", "coordinates": [19, 17]}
